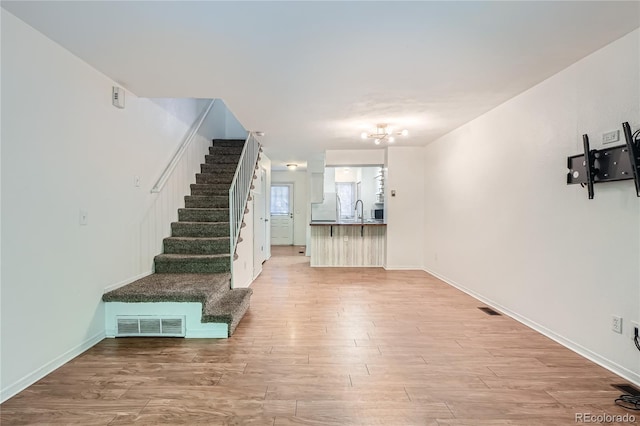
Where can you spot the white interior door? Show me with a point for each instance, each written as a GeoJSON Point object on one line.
{"type": "Point", "coordinates": [259, 222]}
{"type": "Point", "coordinates": [281, 214]}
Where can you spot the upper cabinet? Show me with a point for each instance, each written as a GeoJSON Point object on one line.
{"type": "Point", "coordinates": [317, 187]}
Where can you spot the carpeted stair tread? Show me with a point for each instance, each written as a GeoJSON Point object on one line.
{"type": "Point", "coordinates": [192, 263]}
{"type": "Point", "coordinates": [229, 308]}
{"type": "Point", "coordinates": [196, 245]}
{"type": "Point", "coordinates": [221, 159]}
{"type": "Point", "coordinates": [219, 168]}
{"type": "Point", "coordinates": [218, 189]}
{"type": "Point", "coordinates": [215, 177]}
{"type": "Point", "coordinates": [203, 215]}
{"type": "Point", "coordinates": [200, 257]}
{"type": "Point", "coordinates": [206, 201]}
{"type": "Point", "coordinates": [228, 142]}
{"type": "Point", "coordinates": [200, 229]}
{"type": "Point", "coordinates": [228, 150]}
{"type": "Point", "coordinates": [172, 288]}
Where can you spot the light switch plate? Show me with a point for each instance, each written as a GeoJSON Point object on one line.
{"type": "Point", "coordinates": [84, 217]}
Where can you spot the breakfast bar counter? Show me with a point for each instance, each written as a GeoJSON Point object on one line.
{"type": "Point", "coordinates": [348, 243]}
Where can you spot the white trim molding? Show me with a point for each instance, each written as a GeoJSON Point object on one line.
{"type": "Point", "coordinates": [49, 367]}
{"type": "Point", "coordinates": [122, 283]}
{"type": "Point", "coordinates": [567, 343]}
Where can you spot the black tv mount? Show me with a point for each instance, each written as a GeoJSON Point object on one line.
{"type": "Point", "coordinates": [611, 164]}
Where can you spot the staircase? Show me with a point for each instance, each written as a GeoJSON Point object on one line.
{"type": "Point", "coordinates": [196, 264]}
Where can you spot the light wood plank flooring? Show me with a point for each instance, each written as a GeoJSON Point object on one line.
{"type": "Point", "coordinates": [322, 346]}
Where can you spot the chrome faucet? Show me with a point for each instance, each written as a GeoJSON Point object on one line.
{"type": "Point", "coordinates": [361, 210]}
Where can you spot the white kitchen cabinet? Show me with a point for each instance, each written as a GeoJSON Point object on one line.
{"type": "Point", "coordinates": [317, 187]}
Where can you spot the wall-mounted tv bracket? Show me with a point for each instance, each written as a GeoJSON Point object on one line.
{"type": "Point", "coordinates": [610, 164]}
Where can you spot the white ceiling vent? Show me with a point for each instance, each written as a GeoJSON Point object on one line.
{"type": "Point", "coordinates": [146, 325]}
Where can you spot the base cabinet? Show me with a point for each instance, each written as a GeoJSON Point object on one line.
{"type": "Point", "coordinates": [337, 245]}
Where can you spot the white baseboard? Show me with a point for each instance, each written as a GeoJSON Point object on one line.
{"type": "Point", "coordinates": [614, 367]}
{"type": "Point", "coordinates": [254, 278]}
{"type": "Point", "coordinates": [404, 268]}
{"type": "Point", "coordinates": [348, 266]}
{"type": "Point", "coordinates": [49, 367]}
{"type": "Point", "coordinates": [127, 281]}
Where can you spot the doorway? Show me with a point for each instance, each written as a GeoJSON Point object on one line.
{"type": "Point", "coordinates": [282, 214]}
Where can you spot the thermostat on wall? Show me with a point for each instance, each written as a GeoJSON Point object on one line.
{"type": "Point", "coordinates": [118, 97]}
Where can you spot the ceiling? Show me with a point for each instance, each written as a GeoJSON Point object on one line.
{"type": "Point", "coordinates": [314, 75]}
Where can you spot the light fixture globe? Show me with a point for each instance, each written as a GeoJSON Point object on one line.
{"type": "Point", "coordinates": [292, 166]}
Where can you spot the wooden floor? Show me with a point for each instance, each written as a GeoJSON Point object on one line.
{"type": "Point", "coordinates": [331, 346]}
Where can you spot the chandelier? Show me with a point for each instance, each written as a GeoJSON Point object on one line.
{"type": "Point", "coordinates": [384, 132]}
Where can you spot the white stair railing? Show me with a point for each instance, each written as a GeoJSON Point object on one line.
{"type": "Point", "coordinates": [239, 190]}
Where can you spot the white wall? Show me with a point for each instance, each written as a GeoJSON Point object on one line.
{"type": "Point", "coordinates": [404, 211]}
{"type": "Point", "coordinates": [233, 128]}
{"type": "Point", "coordinates": [369, 190]}
{"type": "Point", "coordinates": [354, 157]}
{"type": "Point", "coordinates": [501, 223]}
{"type": "Point", "coordinates": [224, 124]}
{"type": "Point", "coordinates": [67, 148]}
{"type": "Point", "coordinates": [300, 201]}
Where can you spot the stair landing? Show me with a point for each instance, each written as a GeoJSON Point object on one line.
{"type": "Point", "coordinates": [218, 303]}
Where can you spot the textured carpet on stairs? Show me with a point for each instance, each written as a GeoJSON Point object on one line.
{"type": "Point", "coordinates": [219, 303]}
{"type": "Point", "coordinates": [196, 263]}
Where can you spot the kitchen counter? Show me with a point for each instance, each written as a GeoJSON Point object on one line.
{"type": "Point", "coordinates": [348, 243]}
{"type": "Point", "coordinates": [347, 223]}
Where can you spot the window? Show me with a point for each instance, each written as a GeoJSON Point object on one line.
{"type": "Point", "coordinates": [346, 194]}
{"type": "Point", "coordinates": [280, 200]}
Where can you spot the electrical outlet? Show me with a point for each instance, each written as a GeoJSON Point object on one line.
{"type": "Point", "coordinates": [616, 324]}
{"type": "Point", "coordinates": [611, 137]}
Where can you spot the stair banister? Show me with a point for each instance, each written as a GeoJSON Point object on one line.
{"type": "Point", "coordinates": [181, 150]}
{"type": "Point", "coordinates": [239, 191]}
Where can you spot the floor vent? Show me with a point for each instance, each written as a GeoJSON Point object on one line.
{"type": "Point", "coordinates": [489, 311]}
{"type": "Point", "coordinates": [628, 389]}
{"type": "Point", "coordinates": [150, 326]}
